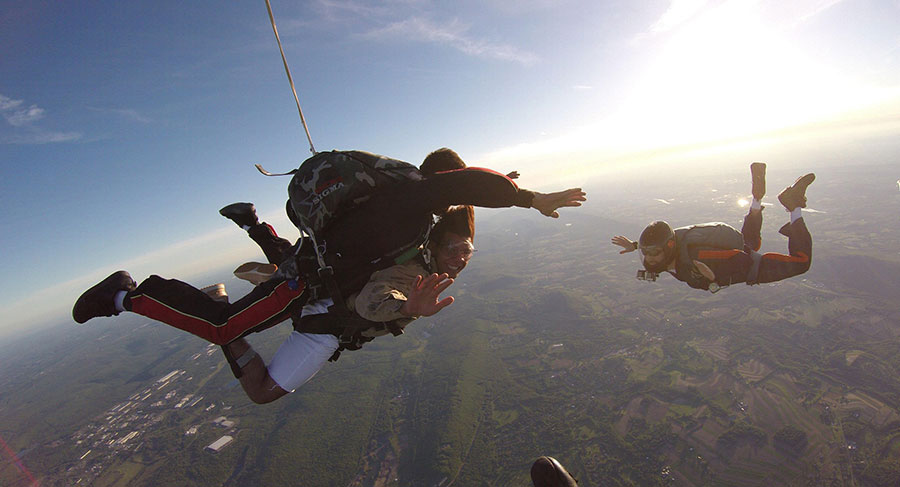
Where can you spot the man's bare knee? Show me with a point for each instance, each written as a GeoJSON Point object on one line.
{"type": "Point", "coordinates": [254, 377]}
{"type": "Point", "coordinates": [264, 392]}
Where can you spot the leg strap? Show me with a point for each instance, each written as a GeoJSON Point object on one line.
{"type": "Point", "coordinates": [753, 274]}
{"type": "Point", "coordinates": [238, 363]}
{"type": "Point", "coordinates": [245, 359]}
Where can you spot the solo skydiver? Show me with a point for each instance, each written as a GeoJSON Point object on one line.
{"type": "Point", "coordinates": [711, 256]}
{"type": "Point", "coordinates": [388, 217]}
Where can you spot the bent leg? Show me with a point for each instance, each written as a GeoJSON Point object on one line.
{"type": "Point", "coordinates": [751, 230]}
{"type": "Point", "coordinates": [275, 247]}
{"type": "Point", "coordinates": [255, 379]}
{"type": "Point", "coordinates": [187, 308]}
{"type": "Point", "coordinates": [775, 267]}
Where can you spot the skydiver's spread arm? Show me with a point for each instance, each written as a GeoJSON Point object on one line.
{"type": "Point", "coordinates": [474, 186]}
{"type": "Point", "coordinates": [486, 188]}
{"type": "Point", "coordinates": [548, 203]}
{"type": "Point", "coordinates": [626, 244]}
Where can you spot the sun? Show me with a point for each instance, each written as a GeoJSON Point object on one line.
{"type": "Point", "coordinates": [730, 73]}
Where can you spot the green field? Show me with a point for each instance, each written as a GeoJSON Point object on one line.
{"type": "Point", "coordinates": [545, 352]}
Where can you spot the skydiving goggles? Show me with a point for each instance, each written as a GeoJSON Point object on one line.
{"type": "Point", "coordinates": [465, 249]}
{"type": "Point", "coordinates": [652, 250]}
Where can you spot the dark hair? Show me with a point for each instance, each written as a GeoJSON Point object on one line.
{"type": "Point", "coordinates": [656, 234]}
{"type": "Point", "coordinates": [459, 220]}
{"type": "Point", "coordinates": [443, 159]}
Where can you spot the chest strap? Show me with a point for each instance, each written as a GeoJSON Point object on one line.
{"type": "Point", "coordinates": [753, 274]}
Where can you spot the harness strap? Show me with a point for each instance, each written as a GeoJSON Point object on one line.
{"type": "Point", "coordinates": [339, 308]}
{"type": "Point", "coordinates": [753, 274]}
{"type": "Point", "coordinates": [235, 368]}
{"type": "Point", "coordinates": [406, 256]}
{"type": "Point", "coordinates": [237, 364]}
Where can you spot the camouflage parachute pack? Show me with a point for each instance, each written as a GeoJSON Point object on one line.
{"type": "Point", "coordinates": [330, 184]}
{"type": "Point", "coordinates": [325, 187]}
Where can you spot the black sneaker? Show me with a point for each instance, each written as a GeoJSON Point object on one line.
{"type": "Point", "coordinates": [99, 300]}
{"type": "Point", "coordinates": [244, 214]}
{"type": "Point", "coordinates": [547, 472]}
{"type": "Point", "coordinates": [758, 174]}
{"type": "Point", "coordinates": [794, 196]}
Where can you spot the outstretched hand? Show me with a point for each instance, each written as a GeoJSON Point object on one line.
{"type": "Point", "coordinates": [625, 243]}
{"type": "Point", "coordinates": [548, 203]}
{"type": "Point", "coordinates": [424, 299]}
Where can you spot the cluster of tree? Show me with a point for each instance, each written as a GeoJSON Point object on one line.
{"type": "Point", "coordinates": [685, 358]}
{"type": "Point", "coordinates": [790, 439]}
{"type": "Point", "coordinates": [883, 473]}
{"type": "Point", "coordinates": [742, 431]}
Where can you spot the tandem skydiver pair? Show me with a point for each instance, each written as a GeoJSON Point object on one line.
{"type": "Point", "coordinates": [384, 294]}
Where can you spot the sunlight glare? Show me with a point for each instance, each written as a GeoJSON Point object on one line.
{"type": "Point", "coordinates": [730, 73]}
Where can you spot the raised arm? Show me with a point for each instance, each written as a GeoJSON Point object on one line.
{"type": "Point", "coordinates": [626, 244]}
{"type": "Point", "coordinates": [425, 297]}
{"type": "Point", "coordinates": [401, 293]}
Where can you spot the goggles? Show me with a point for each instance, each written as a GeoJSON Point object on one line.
{"type": "Point", "coordinates": [464, 249]}
{"type": "Point", "coordinates": [652, 250]}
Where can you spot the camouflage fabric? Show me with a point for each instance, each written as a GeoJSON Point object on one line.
{"type": "Point", "coordinates": [386, 291]}
{"type": "Point", "coordinates": [330, 183]}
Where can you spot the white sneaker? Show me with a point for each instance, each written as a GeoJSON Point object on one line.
{"type": "Point", "coordinates": [255, 273]}
{"type": "Point", "coordinates": [216, 291]}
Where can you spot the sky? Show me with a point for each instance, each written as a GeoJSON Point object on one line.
{"type": "Point", "coordinates": [125, 126]}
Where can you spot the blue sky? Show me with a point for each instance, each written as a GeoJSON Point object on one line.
{"type": "Point", "coordinates": [125, 126]}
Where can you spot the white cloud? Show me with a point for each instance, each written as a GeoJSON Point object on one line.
{"type": "Point", "coordinates": [23, 120]}
{"type": "Point", "coordinates": [39, 138]}
{"type": "Point", "coordinates": [679, 11]}
{"type": "Point", "coordinates": [334, 8]}
{"type": "Point", "coordinates": [26, 116]}
{"type": "Point", "coordinates": [455, 35]}
{"type": "Point", "coordinates": [377, 21]}
{"type": "Point", "coordinates": [17, 116]}
{"type": "Point", "coordinates": [7, 103]}
{"type": "Point", "coordinates": [342, 13]}
{"type": "Point", "coordinates": [126, 113]}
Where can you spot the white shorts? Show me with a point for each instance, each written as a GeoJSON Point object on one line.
{"type": "Point", "coordinates": [300, 357]}
{"type": "Point", "coordinates": [302, 354]}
